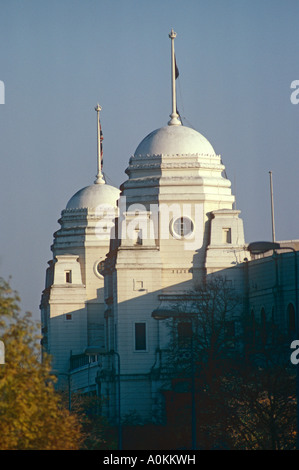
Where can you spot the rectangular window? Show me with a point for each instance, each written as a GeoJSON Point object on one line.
{"type": "Point", "coordinates": [68, 277]}
{"type": "Point", "coordinates": [137, 285]}
{"type": "Point", "coordinates": [230, 333]}
{"type": "Point", "coordinates": [226, 235]}
{"type": "Point", "coordinates": [184, 333]}
{"type": "Point", "coordinates": [140, 336]}
{"type": "Point", "coordinates": [68, 316]}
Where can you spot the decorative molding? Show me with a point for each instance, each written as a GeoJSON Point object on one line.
{"type": "Point", "coordinates": [176, 155]}
{"type": "Point", "coordinates": [179, 165]}
{"type": "Point", "coordinates": [217, 182]}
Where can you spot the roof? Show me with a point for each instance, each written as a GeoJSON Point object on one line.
{"type": "Point", "coordinates": [94, 195]}
{"type": "Point", "coordinates": [174, 140]}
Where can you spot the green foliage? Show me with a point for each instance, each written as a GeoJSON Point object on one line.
{"type": "Point", "coordinates": [9, 302]}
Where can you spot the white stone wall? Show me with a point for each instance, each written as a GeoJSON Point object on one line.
{"type": "Point", "coordinates": [73, 302]}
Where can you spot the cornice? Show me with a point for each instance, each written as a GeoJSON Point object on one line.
{"type": "Point", "coordinates": [173, 165]}
{"type": "Point", "coordinates": [177, 180]}
{"type": "Point", "coordinates": [171, 155]}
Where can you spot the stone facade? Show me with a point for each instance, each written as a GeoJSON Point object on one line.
{"type": "Point", "coordinates": [121, 255]}
{"type": "Point", "coordinates": [72, 304]}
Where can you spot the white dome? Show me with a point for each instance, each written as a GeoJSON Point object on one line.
{"type": "Point", "coordinates": [174, 140]}
{"type": "Point", "coordinates": [92, 196]}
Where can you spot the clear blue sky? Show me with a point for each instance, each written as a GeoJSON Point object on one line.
{"type": "Point", "coordinates": [58, 58]}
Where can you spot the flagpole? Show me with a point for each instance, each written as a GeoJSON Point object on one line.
{"type": "Point", "coordinates": [99, 179]}
{"type": "Point", "coordinates": [272, 207]}
{"type": "Point", "coordinates": [174, 116]}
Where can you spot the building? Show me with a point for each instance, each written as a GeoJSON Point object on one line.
{"type": "Point", "coordinates": [72, 304]}
{"type": "Point", "coordinates": [271, 288]}
{"type": "Point", "coordinates": [121, 255]}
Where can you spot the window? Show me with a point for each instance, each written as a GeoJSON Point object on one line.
{"type": "Point", "coordinates": [263, 327]}
{"type": "Point", "coordinates": [101, 267]}
{"type": "Point", "coordinates": [226, 235]}
{"type": "Point", "coordinates": [230, 333]}
{"type": "Point", "coordinates": [138, 285]}
{"type": "Point", "coordinates": [184, 333]}
{"type": "Point", "coordinates": [182, 227]}
{"type": "Point", "coordinates": [68, 316]}
{"type": "Point", "coordinates": [68, 277]}
{"type": "Point", "coordinates": [252, 330]}
{"type": "Point", "coordinates": [230, 329]}
{"type": "Point", "coordinates": [140, 336]}
{"type": "Point", "coordinates": [273, 326]}
{"type": "Point", "coordinates": [291, 321]}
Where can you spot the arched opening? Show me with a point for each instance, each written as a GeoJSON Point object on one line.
{"type": "Point", "coordinates": [263, 327]}
{"type": "Point", "coordinates": [291, 319]}
{"type": "Point", "coordinates": [273, 325]}
{"type": "Point", "coordinates": [252, 330]}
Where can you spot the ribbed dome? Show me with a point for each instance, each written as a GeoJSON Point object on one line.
{"type": "Point", "coordinates": [174, 140]}
{"type": "Point", "coordinates": [92, 196]}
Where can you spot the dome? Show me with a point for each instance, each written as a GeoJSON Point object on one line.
{"type": "Point", "coordinates": [174, 140]}
{"type": "Point", "coordinates": [92, 196]}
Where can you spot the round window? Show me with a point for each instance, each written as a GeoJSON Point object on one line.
{"type": "Point", "coordinates": [182, 227]}
{"type": "Point", "coordinates": [100, 267]}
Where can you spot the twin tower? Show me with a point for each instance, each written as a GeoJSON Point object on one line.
{"type": "Point", "coordinates": [121, 254]}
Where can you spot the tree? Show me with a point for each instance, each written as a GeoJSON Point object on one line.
{"type": "Point", "coordinates": [98, 433]}
{"type": "Point", "coordinates": [32, 415]}
{"type": "Point", "coordinates": [204, 337]}
{"type": "Point", "coordinates": [261, 396]}
{"type": "Point", "coordinates": [210, 317]}
{"type": "Point", "coordinates": [244, 382]}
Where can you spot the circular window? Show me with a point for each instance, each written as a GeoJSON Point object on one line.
{"type": "Point", "coordinates": [182, 227]}
{"type": "Point", "coordinates": [99, 268]}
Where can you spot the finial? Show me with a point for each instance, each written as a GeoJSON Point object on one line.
{"type": "Point", "coordinates": [174, 121]}
{"type": "Point", "coordinates": [99, 178]}
{"type": "Point", "coordinates": [172, 34]}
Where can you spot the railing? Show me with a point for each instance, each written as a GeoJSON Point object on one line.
{"type": "Point", "coordinates": [78, 360]}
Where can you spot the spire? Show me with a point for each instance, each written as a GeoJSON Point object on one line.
{"type": "Point", "coordinates": [99, 179]}
{"type": "Point", "coordinates": [174, 121]}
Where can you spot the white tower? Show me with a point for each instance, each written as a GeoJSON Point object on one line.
{"type": "Point", "coordinates": [72, 305]}
{"type": "Point", "coordinates": [176, 226]}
